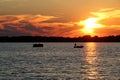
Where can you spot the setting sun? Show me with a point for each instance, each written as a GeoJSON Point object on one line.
{"type": "Point", "coordinates": [89, 25]}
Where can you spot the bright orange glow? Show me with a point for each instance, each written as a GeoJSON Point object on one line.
{"type": "Point", "coordinates": [89, 25]}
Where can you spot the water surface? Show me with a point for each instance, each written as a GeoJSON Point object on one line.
{"type": "Point", "coordinates": [60, 61]}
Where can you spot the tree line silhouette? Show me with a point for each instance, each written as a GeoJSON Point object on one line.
{"type": "Point", "coordinates": [86, 38]}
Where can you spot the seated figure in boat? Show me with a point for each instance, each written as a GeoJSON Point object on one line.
{"type": "Point", "coordinates": [75, 46]}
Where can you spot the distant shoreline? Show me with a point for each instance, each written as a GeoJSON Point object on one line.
{"type": "Point", "coordinates": [59, 39]}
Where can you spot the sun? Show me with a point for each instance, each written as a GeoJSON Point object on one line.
{"type": "Point", "coordinates": [89, 25]}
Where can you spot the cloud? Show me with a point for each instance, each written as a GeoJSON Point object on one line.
{"type": "Point", "coordinates": [114, 30]}
{"type": "Point", "coordinates": [110, 20]}
{"type": "Point", "coordinates": [35, 25]}
{"type": "Point", "coordinates": [41, 25]}
{"type": "Point", "coordinates": [108, 16]}
{"type": "Point", "coordinates": [12, 25]}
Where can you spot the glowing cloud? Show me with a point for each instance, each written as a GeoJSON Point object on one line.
{"type": "Point", "coordinates": [104, 20]}
{"type": "Point", "coordinates": [35, 25]}
{"type": "Point", "coordinates": [108, 14]}
{"type": "Point", "coordinates": [16, 25]}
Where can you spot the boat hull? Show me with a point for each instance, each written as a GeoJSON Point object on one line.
{"type": "Point", "coordinates": [78, 46]}
{"type": "Point", "coordinates": [37, 45]}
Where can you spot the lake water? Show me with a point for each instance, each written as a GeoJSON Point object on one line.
{"type": "Point", "coordinates": [60, 61]}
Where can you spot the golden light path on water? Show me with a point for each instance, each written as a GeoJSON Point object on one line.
{"type": "Point", "coordinates": [91, 58]}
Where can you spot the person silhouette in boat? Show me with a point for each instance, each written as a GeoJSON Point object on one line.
{"type": "Point", "coordinates": [75, 44]}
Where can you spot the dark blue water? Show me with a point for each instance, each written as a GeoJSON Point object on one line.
{"type": "Point", "coordinates": [60, 61]}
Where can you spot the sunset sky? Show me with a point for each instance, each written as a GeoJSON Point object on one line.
{"type": "Point", "coordinates": [66, 18]}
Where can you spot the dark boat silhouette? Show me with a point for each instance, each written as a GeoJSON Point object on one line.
{"type": "Point", "coordinates": [38, 45]}
{"type": "Point", "coordinates": [75, 46]}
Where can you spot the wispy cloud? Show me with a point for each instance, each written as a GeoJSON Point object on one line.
{"type": "Point", "coordinates": [110, 19]}
{"type": "Point", "coordinates": [108, 16]}
{"type": "Point", "coordinates": [35, 25]}
{"type": "Point", "coordinates": [21, 24]}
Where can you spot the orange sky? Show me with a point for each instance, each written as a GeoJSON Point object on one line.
{"type": "Point", "coordinates": [67, 18]}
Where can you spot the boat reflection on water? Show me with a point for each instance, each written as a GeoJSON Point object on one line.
{"type": "Point", "coordinates": [91, 61]}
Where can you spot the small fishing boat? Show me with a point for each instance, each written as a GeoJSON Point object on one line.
{"type": "Point", "coordinates": [75, 46]}
{"type": "Point", "coordinates": [38, 45]}
{"type": "Point", "coordinates": [78, 46]}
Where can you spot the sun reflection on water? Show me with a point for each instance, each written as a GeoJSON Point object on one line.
{"type": "Point", "coordinates": [91, 55]}
{"type": "Point", "coordinates": [91, 58]}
